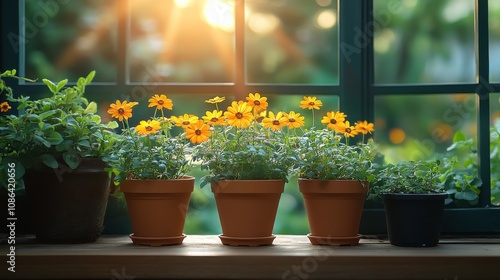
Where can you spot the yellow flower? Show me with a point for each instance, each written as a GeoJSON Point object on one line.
{"type": "Point", "coordinates": [333, 119]}
{"type": "Point", "coordinates": [294, 120]}
{"type": "Point", "coordinates": [274, 122]}
{"type": "Point", "coordinates": [160, 101]}
{"type": "Point", "coordinates": [257, 102]}
{"type": "Point", "coordinates": [364, 127]}
{"type": "Point", "coordinates": [215, 100]}
{"type": "Point", "coordinates": [148, 127]}
{"type": "Point", "coordinates": [184, 120]}
{"type": "Point", "coordinates": [4, 107]}
{"type": "Point", "coordinates": [346, 129]}
{"type": "Point", "coordinates": [120, 110]}
{"type": "Point", "coordinates": [197, 132]}
{"type": "Point", "coordinates": [214, 118]}
{"type": "Point", "coordinates": [239, 114]}
{"type": "Point", "coordinates": [310, 102]}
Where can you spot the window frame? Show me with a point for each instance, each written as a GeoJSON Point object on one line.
{"type": "Point", "coordinates": [356, 91]}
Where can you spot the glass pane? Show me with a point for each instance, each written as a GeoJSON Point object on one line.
{"type": "Point", "coordinates": [494, 26]}
{"type": "Point", "coordinates": [424, 41]}
{"type": "Point", "coordinates": [68, 39]}
{"type": "Point", "coordinates": [495, 148]}
{"type": "Point", "coordinates": [431, 127]}
{"type": "Point", "coordinates": [291, 41]}
{"type": "Point", "coordinates": [181, 41]}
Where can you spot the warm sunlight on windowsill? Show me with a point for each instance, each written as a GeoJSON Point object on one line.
{"type": "Point", "coordinates": [291, 257]}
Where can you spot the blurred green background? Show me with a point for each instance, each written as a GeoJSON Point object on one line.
{"type": "Point", "coordinates": [287, 41]}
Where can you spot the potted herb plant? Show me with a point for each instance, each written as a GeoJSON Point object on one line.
{"type": "Point", "coordinates": [334, 176]}
{"type": "Point", "coordinates": [150, 165]}
{"type": "Point", "coordinates": [413, 200]}
{"type": "Point", "coordinates": [248, 160]}
{"type": "Point", "coordinates": [56, 145]}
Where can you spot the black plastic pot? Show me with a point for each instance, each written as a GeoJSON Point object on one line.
{"type": "Point", "coordinates": [68, 206]}
{"type": "Point", "coordinates": [414, 220]}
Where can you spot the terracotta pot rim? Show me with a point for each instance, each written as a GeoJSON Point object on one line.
{"type": "Point", "coordinates": [137, 186]}
{"type": "Point", "coordinates": [332, 180]}
{"type": "Point", "coordinates": [183, 178]}
{"type": "Point", "coordinates": [248, 186]}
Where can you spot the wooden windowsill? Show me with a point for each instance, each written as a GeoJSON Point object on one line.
{"type": "Point", "coordinates": [291, 257]}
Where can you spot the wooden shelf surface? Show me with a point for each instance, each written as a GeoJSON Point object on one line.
{"type": "Point", "coordinates": [290, 257]}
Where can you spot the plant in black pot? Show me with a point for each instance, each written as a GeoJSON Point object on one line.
{"type": "Point", "coordinates": [54, 146]}
{"type": "Point", "coordinates": [413, 200]}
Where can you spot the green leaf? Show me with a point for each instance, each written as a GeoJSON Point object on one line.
{"type": "Point", "coordinates": [71, 160]}
{"type": "Point", "coordinates": [39, 140]}
{"type": "Point", "coordinates": [49, 160]}
{"type": "Point", "coordinates": [44, 115]}
{"type": "Point", "coordinates": [91, 108]}
{"type": "Point", "coordinates": [89, 77]}
{"type": "Point", "coordinates": [50, 85]}
{"type": "Point", "coordinates": [459, 136]}
{"type": "Point", "coordinates": [466, 195]}
{"type": "Point", "coordinates": [112, 125]}
{"type": "Point", "coordinates": [55, 138]}
{"type": "Point", "coordinates": [61, 84]}
{"type": "Point", "coordinates": [64, 145]}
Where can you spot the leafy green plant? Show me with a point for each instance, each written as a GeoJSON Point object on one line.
{"type": "Point", "coordinates": [62, 128]}
{"type": "Point", "coordinates": [495, 162]}
{"type": "Point", "coordinates": [459, 172]}
{"type": "Point", "coordinates": [241, 146]}
{"type": "Point", "coordinates": [148, 151]}
{"type": "Point", "coordinates": [323, 156]}
{"type": "Point", "coordinates": [408, 177]}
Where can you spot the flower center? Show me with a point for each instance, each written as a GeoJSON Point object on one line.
{"type": "Point", "coordinates": [185, 122]}
{"type": "Point", "coordinates": [5, 107]}
{"type": "Point", "coordinates": [214, 119]}
{"type": "Point", "coordinates": [333, 121]}
{"type": "Point", "coordinates": [311, 103]}
{"type": "Point", "coordinates": [276, 122]}
{"type": "Point", "coordinates": [239, 115]}
{"type": "Point", "coordinates": [160, 102]}
{"type": "Point", "coordinates": [121, 111]}
{"type": "Point", "coordinates": [149, 128]}
{"type": "Point", "coordinates": [256, 102]}
{"type": "Point", "coordinates": [291, 120]}
{"type": "Point", "coordinates": [348, 130]}
{"type": "Point", "coordinates": [197, 132]}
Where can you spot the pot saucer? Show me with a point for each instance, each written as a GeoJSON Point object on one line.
{"type": "Point", "coordinates": [157, 241]}
{"type": "Point", "coordinates": [328, 240]}
{"type": "Point", "coordinates": [247, 241]}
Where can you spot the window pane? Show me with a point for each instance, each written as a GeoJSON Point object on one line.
{"type": "Point", "coordinates": [431, 127]}
{"type": "Point", "coordinates": [494, 26]}
{"type": "Point", "coordinates": [68, 39]}
{"type": "Point", "coordinates": [495, 148]}
{"type": "Point", "coordinates": [181, 41]}
{"type": "Point", "coordinates": [424, 41]}
{"type": "Point", "coordinates": [291, 41]}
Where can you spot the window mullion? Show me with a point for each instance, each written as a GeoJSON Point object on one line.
{"type": "Point", "coordinates": [483, 90]}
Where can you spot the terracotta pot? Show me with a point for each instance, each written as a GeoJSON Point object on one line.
{"type": "Point", "coordinates": [68, 206]}
{"type": "Point", "coordinates": [158, 209]}
{"type": "Point", "coordinates": [334, 209]}
{"type": "Point", "coordinates": [247, 210]}
{"type": "Point", "coordinates": [414, 220]}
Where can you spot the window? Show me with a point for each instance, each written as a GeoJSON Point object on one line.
{"type": "Point", "coordinates": [421, 73]}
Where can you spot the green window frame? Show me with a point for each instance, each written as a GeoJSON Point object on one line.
{"type": "Point", "coordinates": [356, 91]}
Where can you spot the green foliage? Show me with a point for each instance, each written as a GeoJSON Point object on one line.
{"type": "Point", "coordinates": [323, 156]}
{"type": "Point", "coordinates": [495, 162]}
{"type": "Point", "coordinates": [148, 157]}
{"type": "Point", "coordinates": [408, 177]}
{"type": "Point", "coordinates": [62, 128]}
{"type": "Point", "coordinates": [253, 153]}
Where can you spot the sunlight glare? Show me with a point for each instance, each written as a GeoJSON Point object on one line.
{"type": "Point", "coordinates": [182, 3]}
{"type": "Point", "coordinates": [263, 23]}
{"type": "Point", "coordinates": [326, 19]}
{"type": "Point", "coordinates": [219, 14]}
